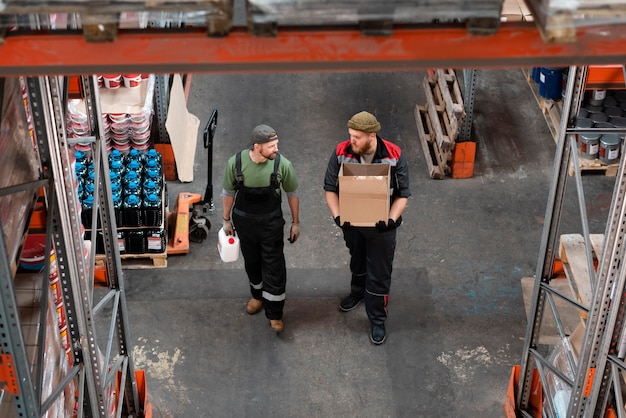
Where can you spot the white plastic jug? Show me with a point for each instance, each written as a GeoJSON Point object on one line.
{"type": "Point", "coordinates": [228, 246]}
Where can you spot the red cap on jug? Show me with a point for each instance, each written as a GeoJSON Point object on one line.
{"type": "Point", "coordinates": [231, 240]}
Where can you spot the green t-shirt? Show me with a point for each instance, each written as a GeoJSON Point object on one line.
{"type": "Point", "coordinates": [258, 175]}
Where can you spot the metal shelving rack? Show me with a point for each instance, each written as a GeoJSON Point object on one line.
{"type": "Point", "coordinates": [99, 367]}
{"type": "Point", "coordinates": [594, 377]}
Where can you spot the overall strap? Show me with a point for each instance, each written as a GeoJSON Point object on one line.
{"type": "Point", "coordinates": [239, 176]}
{"type": "Point", "coordinates": [274, 177]}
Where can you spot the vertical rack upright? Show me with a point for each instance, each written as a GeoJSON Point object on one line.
{"type": "Point", "coordinates": [99, 369]}
{"type": "Point", "coordinates": [594, 383]}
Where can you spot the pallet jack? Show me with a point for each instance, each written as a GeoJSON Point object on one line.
{"type": "Point", "coordinates": [190, 221]}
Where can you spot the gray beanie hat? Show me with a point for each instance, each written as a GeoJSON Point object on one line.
{"type": "Point", "coordinates": [365, 122]}
{"type": "Point", "coordinates": [262, 134]}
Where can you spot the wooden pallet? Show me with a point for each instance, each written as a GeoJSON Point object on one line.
{"type": "Point", "coordinates": [439, 120]}
{"type": "Point", "coordinates": [139, 261]}
{"type": "Point", "coordinates": [594, 166]}
{"type": "Point", "coordinates": [573, 255]}
{"type": "Point", "coordinates": [552, 113]}
{"type": "Point", "coordinates": [436, 159]}
{"type": "Point", "coordinates": [443, 132]}
{"type": "Point", "coordinates": [448, 94]}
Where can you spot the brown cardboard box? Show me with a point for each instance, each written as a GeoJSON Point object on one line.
{"type": "Point", "coordinates": [511, 11]}
{"type": "Point", "coordinates": [364, 193]}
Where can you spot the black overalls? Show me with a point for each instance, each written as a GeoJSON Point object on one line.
{"type": "Point", "coordinates": [258, 219]}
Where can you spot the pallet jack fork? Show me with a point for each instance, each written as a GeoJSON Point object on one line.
{"type": "Point", "coordinates": [191, 221]}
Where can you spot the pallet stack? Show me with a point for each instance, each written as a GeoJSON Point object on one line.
{"type": "Point", "coordinates": [439, 121]}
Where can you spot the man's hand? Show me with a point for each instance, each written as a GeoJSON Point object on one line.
{"type": "Point", "coordinates": [345, 225]}
{"type": "Point", "coordinates": [391, 224]}
{"type": "Point", "coordinates": [228, 227]}
{"type": "Point", "coordinates": [294, 233]}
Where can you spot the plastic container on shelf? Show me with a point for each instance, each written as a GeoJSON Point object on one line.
{"type": "Point", "coordinates": [598, 117]}
{"type": "Point", "coordinates": [613, 111]}
{"type": "Point", "coordinates": [609, 148]}
{"type": "Point", "coordinates": [153, 164]}
{"type": "Point", "coordinates": [135, 241]}
{"type": "Point", "coordinates": [121, 241]}
{"type": "Point", "coordinates": [123, 148]}
{"type": "Point", "coordinates": [131, 211]}
{"type": "Point", "coordinates": [134, 155]}
{"type": "Point", "coordinates": [117, 208]}
{"type": "Point", "coordinates": [154, 175]}
{"type": "Point", "coordinates": [132, 187]}
{"type": "Point", "coordinates": [155, 240]}
{"type": "Point", "coordinates": [80, 156]}
{"type": "Point", "coordinates": [154, 154]}
{"type": "Point", "coordinates": [141, 147]}
{"type": "Point", "coordinates": [131, 176]}
{"type": "Point", "coordinates": [551, 83]}
{"type": "Point", "coordinates": [582, 123]}
{"type": "Point", "coordinates": [609, 101]}
{"type": "Point", "coordinates": [131, 80]}
{"type": "Point", "coordinates": [227, 246]}
{"type": "Point", "coordinates": [118, 117]}
{"type": "Point", "coordinates": [87, 210]}
{"type": "Point", "coordinates": [596, 97]}
{"type": "Point", "coordinates": [153, 213]}
{"type": "Point", "coordinates": [136, 166]}
{"type": "Point", "coordinates": [117, 166]}
{"type": "Point", "coordinates": [589, 145]}
{"type": "Point", "coordinates": [112, 81]}
{"type": "Point", "coordinates": [619, 122]}
{"type": "Point", "coordinates": [150, 187]}
{"type": "Point", "coordinates": [80, 170]}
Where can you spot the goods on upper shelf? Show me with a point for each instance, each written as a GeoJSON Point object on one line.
{"type": "Point", "coordinates": [126, 117]}
{"type": "Point", "coordinates": [601, 109]}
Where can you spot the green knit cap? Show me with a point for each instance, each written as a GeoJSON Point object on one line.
{"type": "Point", "coordinates": [365, 122]}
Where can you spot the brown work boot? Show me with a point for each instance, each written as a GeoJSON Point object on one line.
{"type": "Point", "coordinates": [277, 325]}
{"type": "Point", "coordinates": [254, 306]}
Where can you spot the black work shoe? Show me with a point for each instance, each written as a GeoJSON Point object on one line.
{"type": "Point", "coordinates": [349, 302]}
{"type": "Point", "coordinates": [378, 334]}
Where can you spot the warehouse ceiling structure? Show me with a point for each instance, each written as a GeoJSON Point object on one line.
{"type": "Point", "coordinates": [103, 36]}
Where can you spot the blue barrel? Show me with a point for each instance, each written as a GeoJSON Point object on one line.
{"type": "Point", "coordinates": [534, 74]}
{"type": "Point", "coordinates": [551, 83]}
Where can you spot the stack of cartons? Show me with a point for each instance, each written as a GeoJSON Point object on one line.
{"type": "Point", "coordinates": [439, 120]}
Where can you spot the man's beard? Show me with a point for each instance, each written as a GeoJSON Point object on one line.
{"type": "Point", "coordinates": [271, 156]}
{"type": "Point", "coordinates": [367, 148]}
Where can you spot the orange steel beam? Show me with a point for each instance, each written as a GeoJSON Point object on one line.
{"type": "Point", "coordinates": [514, 45]}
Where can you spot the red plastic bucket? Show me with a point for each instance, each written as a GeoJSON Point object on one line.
{"type": "Point", "coordinates": [112, 81]}
{"type": "Point", "coordinates": [132, 80]}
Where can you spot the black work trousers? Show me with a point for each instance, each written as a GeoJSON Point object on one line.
{"type": "Point", "coordinates": [371, 263]}
{"type": "Point", "coordinates": [262, 244]}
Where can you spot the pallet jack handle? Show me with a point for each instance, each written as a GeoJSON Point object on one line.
{"type": "Point", "coordinates": [209, 133]}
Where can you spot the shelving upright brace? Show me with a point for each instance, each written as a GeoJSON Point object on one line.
{"type": "Point", "coordinates": [75, 275]}
{"type": "Point", "coordinates": [595, 378]}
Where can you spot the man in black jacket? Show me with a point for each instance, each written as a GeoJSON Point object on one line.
{"type": "Point", "coordinates": [371, 248]}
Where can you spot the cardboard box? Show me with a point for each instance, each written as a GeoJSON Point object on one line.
{"type": "Point", "coordinates": [364, 193]}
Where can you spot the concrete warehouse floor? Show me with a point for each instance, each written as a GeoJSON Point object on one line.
{"type": "Point", "coordinates": [456, 314]}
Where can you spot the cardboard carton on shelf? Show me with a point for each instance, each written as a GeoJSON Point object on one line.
{"type": "Point", "coordinates": [364, 193]}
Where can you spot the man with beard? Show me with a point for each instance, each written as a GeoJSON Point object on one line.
{"type": "Point", "coordinates": [371, 248]}
{"type": "Point", "coordinates": [251, 191]}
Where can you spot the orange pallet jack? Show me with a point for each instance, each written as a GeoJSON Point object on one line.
{"type": "Point", "coordinates": [190, 222]}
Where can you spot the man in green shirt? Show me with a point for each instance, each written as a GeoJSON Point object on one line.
{"type": "Point", "coordinates": [251, 194]}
